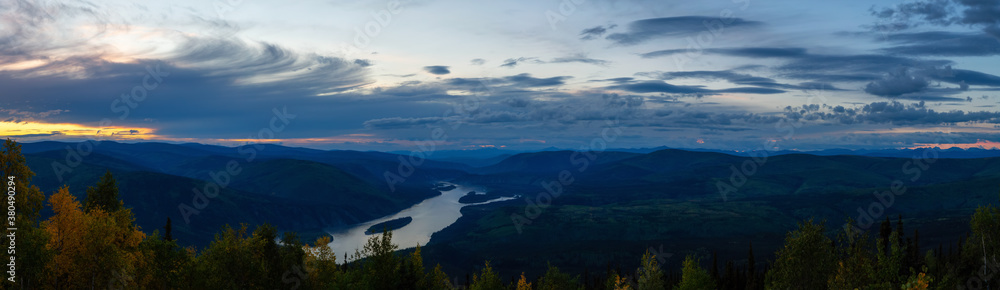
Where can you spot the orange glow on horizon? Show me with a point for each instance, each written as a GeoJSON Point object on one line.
{"type": "Point", "coordinates": [77, 132]}
{"type": "Point", "coordinates": [35, 129]}
{"type": "Point", "coordinates": [981, 144]}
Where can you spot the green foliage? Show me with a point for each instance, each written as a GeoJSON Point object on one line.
{"type": "Point", "coordinates": [617, 282]}
{"type": "Point", "coordinates": [983, 247]}
{"type": "Point", "coordinates": [557, 280]}
{"type": "Point", "coordinates": [165, 262]}
{"type": "Point", "coordinates": [650, 275]}
{"type": "Point", "coordinates": [321, 264]}
{"type": "Point", "coordinates": [380, 264]}
{"type": "Point", "coordinates": [486, 280]}
{"type": "Point", "coordinates": [103, 196]}
{"type": "Point", "coordinates": [34, 258]}
{"type": "Point", "coordinates": [693, 277]}
{"type": "Point", "coordinates": [437, 279]}
{"type": "Point", "coordinates": [238, 260]}
{"type": "Point", "coordinates": [805, 262]}
{"type": "Point", "coordinates": [856, 267]}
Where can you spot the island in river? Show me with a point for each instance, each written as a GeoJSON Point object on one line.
{"type": "Point", "coordinates": [390, 225]}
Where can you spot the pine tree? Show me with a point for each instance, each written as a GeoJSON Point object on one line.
{"type": "Point", "coordinates": [693, 277]}
{"type": "Point", "coordinates": [104, 195]}
{"type": "Point", "coordinates": [437, 279]}
{"type": "Point", "coordinates": [486, 280]}
{"type": "Point", "coordinates": [650, 275]}
{"type": "Point", "coordinates": [715, 266]}
{"type": "Point", "coordinates": [884, 231]}
{"type": "Point", "coordinates": [557, 280]}
{"type": "Point", "coordinates": [167, 231]}
{"type": "Point", "coordinates": [855, 270]}
{"type": "Point", "coordinates": [751, 275]}
{"type": "Point", "coordinates": [805, 262]}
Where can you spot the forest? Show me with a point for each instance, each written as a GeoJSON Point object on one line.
{"type": "Point", "coordinates": [94, 243]}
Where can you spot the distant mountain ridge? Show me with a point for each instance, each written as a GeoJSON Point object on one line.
{"type": "Point", "coordinates": [307, 190]}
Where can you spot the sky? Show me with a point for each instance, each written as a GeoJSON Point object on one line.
{"type": "Point", "coordinates": [524, 75]}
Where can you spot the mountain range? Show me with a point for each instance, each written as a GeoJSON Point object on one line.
{"type": "Point", "coordinates": [577, 210]}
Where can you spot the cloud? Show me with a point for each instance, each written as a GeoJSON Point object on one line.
{"type": "Point", "coordinates": [580, 59]}
{"type": "Point", "coordinates": [477, 61]}
{"type": "Point", "coordinates": [941, 43]}
{"type": "Point", "coordinates": [967, 77]}
{"type": "Point", "coordinates": [751, 52]}
{"type": "Point", "coordinates": [852, 68]}
{"type": "Point", "coordinates": [595, 32]}
{"type": "Point", "coordinates": [517, 102]}
{"type": "Point", "coordinates": [19, 115]}
{"type": "Point", "coordinates": [523, 80]}
{"type": "Point", "coordinates": [401, 123]}
{"type": "Point", "coordinates": [526, 80]}
{"type": "Point", "coordinates": [647, 29]}
{"type": "Point", "coordinates": [437, 69]}
{"type": "Point", "coordinates": [262, 62]}
{"type": "Point", "coordinates": [512, 62]}
{"type": "Point", "coordinates": [524, 112]}
{"type": "Point", "coordinates": [664, 87]}
{"type": "Point", "coordinates": [739, 79]}
{"type": "Point", "coordinates": [54, 133]}
{"type": "Point", "coordinates": [891, 112]}
{"type": "Point", "coordinates": [363, 62]}
{"type": "Point", "coordinates": [896, 84]}
{"type": "Point", "coordinates": [984, 14]}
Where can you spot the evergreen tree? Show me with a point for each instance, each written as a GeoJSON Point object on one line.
{"type": "Point", "coordinates": [437, 279]}
{"type": "Point", "coordinates": [104, 195]}
{"type": "Point", "coordinates": [557, 280]}
{"type": "Point", "coordinates": [486, 280]}
{"type": "Point", "coordinates": [751, 276]}
{"type": "Point", "coordinates": [855, 269]}
{"type": "Point", "coordinates": [884, 231]}
{"type": "Point", "coordinates": [805, 262]}
{"type": "Point", "coordinates": [167, 231]}
{"type": "Point", "coordinates": [650, 275]}
{"type": "Point", "coordinates": [380, 265]}
{"type": "Point", "coordinates": [715, 267]}
{"type": "Point", "coordinates": [693, 277]}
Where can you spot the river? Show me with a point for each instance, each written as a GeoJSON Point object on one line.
{"type": "Point", "coordinates": [429, 216]}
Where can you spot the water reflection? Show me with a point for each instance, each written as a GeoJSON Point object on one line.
{"type": "Point", "coordinates": [429, 216]}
